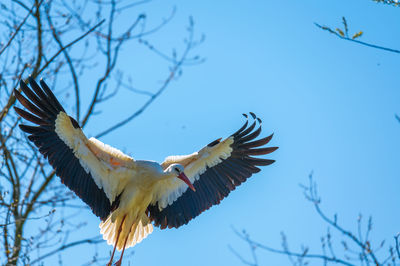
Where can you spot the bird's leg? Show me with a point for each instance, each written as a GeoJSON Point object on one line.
{"type": "Point", "coordinates": [118, 263]}
{"type": "Point", "coordinates": [116, 242]}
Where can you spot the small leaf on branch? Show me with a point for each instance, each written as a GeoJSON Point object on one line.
{"type": "Point", "coordinates": [341, 33]}
{"type": "Point", "coordinates": [357, 35]}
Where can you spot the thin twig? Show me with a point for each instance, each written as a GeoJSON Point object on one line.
{"type": "Point", "coordinates": [11, 98]}
{"type": "Point", "coordinates": [397, 117]}
{"type": "Point", "coordinates": [312, 195]}
{"type": "Point", "coordinates": [243, 260]}
{"type": "Point", "coordinates": [19, 27]}
{"type": "Point", "coordinates": [69, 62]}
{"type": "Point", "coordinates": [69, 45]}
{"type": "Point", "coordinates": [389, 2]}
{"type": "Point", "coordinates": [37, 194]}
{"type": "Point", "coordinates": [170, 77]}
{"type": "Point", "coordinates": [31, 218]}
{"type": "Point", "coordinates": [108, 67]}
{"type": "Point", "coordinates": [357, 41]}
{"type": "Point", "coordinates": [93, 240]}
{"type": "Point", "coordinates": [294, 254]}
{"type": "Point", "coordinates": [366, 256]}
{"type": "Point", "coordinates": [39, 31]}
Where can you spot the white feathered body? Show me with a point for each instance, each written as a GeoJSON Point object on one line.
{"type": "Point", "coordinates": [136, 196]}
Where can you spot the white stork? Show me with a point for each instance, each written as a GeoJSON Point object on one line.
{"type": "Point", "coordinates": [130, 195]}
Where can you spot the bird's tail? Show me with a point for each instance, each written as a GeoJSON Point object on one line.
{"type": "Point", "coordinates": [137, 231]}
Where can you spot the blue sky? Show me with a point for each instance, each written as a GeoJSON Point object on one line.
{"type": "Point", "coordinates": [330, 104]}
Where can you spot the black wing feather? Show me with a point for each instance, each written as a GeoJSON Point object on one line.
{"type": "Point", "coordinates": [44, 108]}
{"type": "Point", "coordinates": [218, 181]}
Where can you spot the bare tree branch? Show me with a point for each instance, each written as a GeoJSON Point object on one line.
{"type": "Point", "coordinates": [344, 35]}
{"type": "Point", "coordinates": [244, 236]}
{"type": "Point", "coordinates": [388, 2]}
{"type": "Point", "coordinates": [364, 250]}
{"type": "Point", "coordinates": [240, 257]}
{"type": "Point", "coordinates": [69, 61]}
{"type": "Point", "coordinates": [93, 240]}
{"type": "Point", "coordinates": [19, 27]}
{"type": "Point", "coordinates": [173, 72]}
{"type": "Point", "coordinates": [109, 65]}
{"type": "Point", "coordinates": [69, 45]}
{"type": "Point", "coordinates": [12, 98]}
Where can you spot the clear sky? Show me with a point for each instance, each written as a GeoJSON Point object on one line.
{"type": "Point", "coordinates": [330, 103]}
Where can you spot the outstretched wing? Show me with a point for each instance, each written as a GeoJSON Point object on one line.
{"type": "Point", "coordinates": [215, 171]}
{"type": "Point", "coordinates": [94, 171]}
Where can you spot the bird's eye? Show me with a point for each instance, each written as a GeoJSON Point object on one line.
{"type": "Point", "coordinates": [177, 169]}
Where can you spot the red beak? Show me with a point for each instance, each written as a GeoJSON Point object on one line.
{"type": "Point", "coordinates": [185, 179]}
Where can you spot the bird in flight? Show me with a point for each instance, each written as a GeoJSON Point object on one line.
{"type": "Point", "coordinates": [128, 195]}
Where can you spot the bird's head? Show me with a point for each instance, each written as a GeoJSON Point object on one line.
{"type": "Point", "coordinates": [177, 170]}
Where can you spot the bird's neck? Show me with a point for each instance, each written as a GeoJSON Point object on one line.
{"type": "Point", "coordinates": [167, 174]}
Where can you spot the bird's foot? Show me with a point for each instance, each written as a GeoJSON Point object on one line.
{"type": "Point", "coordinates": [109, 263]}
{"type": "Point", "coordinates": [118, 263]}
